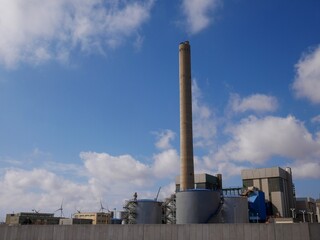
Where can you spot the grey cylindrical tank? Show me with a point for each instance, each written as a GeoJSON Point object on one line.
{"type": "Point", "coordinates": [197, 206]}
{"type": "Point", "coordinates": [148, 212]}
{"type": "Point", "coordinates": [234, 210]}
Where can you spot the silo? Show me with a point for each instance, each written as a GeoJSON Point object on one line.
{"type": "Point", "coordinates": [148, 212]}
{"type": "Point", "coordinates": [197, 206]}
{"type": "Point", "coordinates": [234, 210]}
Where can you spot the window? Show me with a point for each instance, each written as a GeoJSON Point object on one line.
{"type": "Point", "coordinates": [275, 184]}
{"type": "Point", "coordinates": [247, 183]}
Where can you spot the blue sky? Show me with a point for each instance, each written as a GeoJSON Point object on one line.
{"type": "Point", "coordinates": [89, 96]}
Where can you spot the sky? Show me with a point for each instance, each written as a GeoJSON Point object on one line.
{"type": "Point", "coordinates": [89, 97]}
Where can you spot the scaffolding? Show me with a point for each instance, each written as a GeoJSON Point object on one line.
{"type": "Point", "coordinates": [169, 210]}
{"type": "Point", "coordinates": [130, 214]}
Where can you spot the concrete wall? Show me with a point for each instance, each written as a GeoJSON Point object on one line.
{"type": "Point", "coordinates": [301, 231]}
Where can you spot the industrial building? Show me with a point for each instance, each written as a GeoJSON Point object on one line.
{"type": "Point", "coordinates": [199, 197]}
{"type": "Point", "coordinates": [204, 181]}
{"type": "Point", "coordinates": [73, 221]}
{"type": "Point", "coordinates": [306, 210]}
{"type": "Point", "coordinates": [276, 183]}
{"type": "Point", "coordinates": [96, 217]}
{"type": "Point", "coordinates": [31, 218]}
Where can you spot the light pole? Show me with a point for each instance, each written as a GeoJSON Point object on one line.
{"type": "Point", "coordinates": [292, 210]}
{"type": "Point", "coordinates": [303, 212]}
{"type": "Point", "coordinates": [311, 217]}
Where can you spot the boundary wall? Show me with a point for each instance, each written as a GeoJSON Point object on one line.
{"type": "Point", "coordinates": [246, 231]}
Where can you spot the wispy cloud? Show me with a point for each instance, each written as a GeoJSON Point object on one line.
{"type": "Point", "coordinates": [39, 31]}
{"type": "Point", "coordinates": [307, 81]}
{"type": "Point", "coordinates": [256, 103]}
{"type": "Point", "coordinates": [204, 122]}
{"type": "Point", "coordinates": [198, 14]}
{"type": "Point", "coordinates": [316, 119]}
{"type": "Point", "coordinates": [164, 139]}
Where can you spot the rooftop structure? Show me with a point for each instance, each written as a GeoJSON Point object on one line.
{"type": "Point", "coordinates": [96, 217]}
{"type": "Point", "coordinates": [203, 181]}
{"type": "Point", "coordinates": [31, 218]}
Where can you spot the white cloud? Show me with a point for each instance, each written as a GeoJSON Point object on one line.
{"type": "Point", "coordinates": [204, 123]}
{"type": "Point", "coordinates": [166, 164]}
{"type": "Point", "coordinates": [255, 102]}
{"type": "Point", "coordinates": [167, 190]}
{"type": "Point", "coordinates": [138, 42]}
{"type": "Point", "coordinates": [306, 170]}
{"type": "Point", "coordinates": [114, 170]}
{"type": "Point", "coordinates": [104, 177]}
{"type": "Point", "coordinates": [316, 119]}
{"type": "Point", "coordinates": [100, 176]}
{"type": "Point", "coordinates": [307, 80]}
{"type": "Point", "coordinates": [38, 31]}
{"type": "Point", "coordinates": [257, 140]}
{"type": "Point", "coordinates": [164, 138]}
{"type": "Point", "coordinates": [198, 14]}
{"type": "Point", "coordinates": [38, 189]}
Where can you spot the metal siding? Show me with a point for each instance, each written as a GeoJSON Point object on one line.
{"type": "Point", "coordinates": [149, 212]}
{"type": "Point", "coordinates": [196, 206]}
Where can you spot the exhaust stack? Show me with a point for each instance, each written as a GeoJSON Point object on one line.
{"type": "Point", "coordinates": [186, 140]}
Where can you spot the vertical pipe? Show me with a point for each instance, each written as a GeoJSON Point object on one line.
{"type": "Point", "coordinates": [186, 141]}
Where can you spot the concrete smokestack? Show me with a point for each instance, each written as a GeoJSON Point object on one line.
{"type": "Point", "coordinates": [186, 140]}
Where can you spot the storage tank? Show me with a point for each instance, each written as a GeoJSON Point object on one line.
{"type": "Point", "coordinates": [234, 210]}
{"type": "Point", "coordinates": [148, 212]}
{"type": "Point", "coordinates": [197, 206]}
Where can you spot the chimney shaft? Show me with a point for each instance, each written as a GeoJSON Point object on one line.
{"type": "Point", "coordinates": [186, 141]}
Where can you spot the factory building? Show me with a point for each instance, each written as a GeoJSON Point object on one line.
{"type": "Point", "coordinates": [31, 218]}
{"type": "Point", "coordinates": [96, 217]}
{"type": "Point", "coordinates": [276, 183]}
{"type": "Point", "coordinates": [204, 181]}
{"type": "Point", "coordinates": [306, 209]}
{"type": "Point", "coordinates": [74, 221]}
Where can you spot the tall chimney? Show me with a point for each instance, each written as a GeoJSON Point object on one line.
{"type": "Point", "coordinates": [186, 141]}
